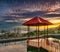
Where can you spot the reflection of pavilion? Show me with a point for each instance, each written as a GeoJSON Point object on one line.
{"type": "Point", "coordinates": [37, 21]}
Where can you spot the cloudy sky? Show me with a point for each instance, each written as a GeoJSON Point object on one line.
{"type": "Point", "coordinates": [16, 9]}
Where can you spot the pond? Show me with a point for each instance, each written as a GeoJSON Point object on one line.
{"type": "Point", "coordinates": [20, 46]}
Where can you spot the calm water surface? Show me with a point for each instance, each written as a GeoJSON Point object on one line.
{"type": "Point", "coordinates": [19, 46]}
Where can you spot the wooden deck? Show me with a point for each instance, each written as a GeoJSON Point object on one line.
{"type": "Point", "coordinates": [51, 47]}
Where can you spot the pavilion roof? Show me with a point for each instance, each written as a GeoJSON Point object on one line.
{"type": "Point", "coordinates": [37, 21]}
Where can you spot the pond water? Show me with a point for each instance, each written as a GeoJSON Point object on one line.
{"type": "Point", "coordinates": [19, 46]}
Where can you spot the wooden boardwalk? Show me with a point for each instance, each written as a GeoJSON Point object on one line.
{"type": "Point", "coordinates": [51, 47]}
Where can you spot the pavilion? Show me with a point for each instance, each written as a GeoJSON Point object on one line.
{"type": "Point", "coordinates": [37, 21]}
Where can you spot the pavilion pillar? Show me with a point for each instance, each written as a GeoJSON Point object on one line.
{"type": "Point", "coordinates": [44, 37]}
{"type": "Point", "coordinates": [47, 36]}
{"type": "Point", "coordinates": [36, 32]}
{"type": "Point", "coordinates": [28, 35]}
{"type": "Point", "coordinates": [28, 29]}
{"type": "Point", "coordinates": [38, 37]}
{"type": "Point", "coordinates": [44, 32]}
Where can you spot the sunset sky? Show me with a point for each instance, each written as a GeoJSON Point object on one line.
{"type": "Point", "coordinates": [17, 9]}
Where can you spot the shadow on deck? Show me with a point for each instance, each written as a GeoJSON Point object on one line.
{"type": "Point", "coordinates": [35, 49]}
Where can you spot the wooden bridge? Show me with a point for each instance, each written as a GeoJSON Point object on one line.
{"type": "Point", "coordinates": [52, 46]}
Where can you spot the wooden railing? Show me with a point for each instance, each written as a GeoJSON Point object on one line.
{"type": "Point", "coordinates": [51, 47]}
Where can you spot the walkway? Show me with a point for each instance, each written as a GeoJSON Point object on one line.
{"type": "Point", "coordinates": [51, 47]}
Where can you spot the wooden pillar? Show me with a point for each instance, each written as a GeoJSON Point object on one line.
{"type": "Point", "coordinates": [44, 37]}
{"type": "Point", "coordinates": [47, 35]}
{"type": "Point", "coordinates": [47, 31]}
{"type": "Point", "coordinates": [28, 36]}
{"type": "Point", "coordinates": [44, 32]}
{"type": "Point", "coordinates": [38, 37]}
{"type": "Point", "coordinates": [36, 31]}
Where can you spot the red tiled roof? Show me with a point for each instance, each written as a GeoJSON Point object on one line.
{"type": "Point", "coordinates": [37, 21]}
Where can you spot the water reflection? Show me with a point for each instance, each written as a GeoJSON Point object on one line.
{"type": "Point", "coordinates": [19, 46]}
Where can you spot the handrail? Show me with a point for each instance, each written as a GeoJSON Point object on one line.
{"type": "Point", "coordinates": [17, 39]}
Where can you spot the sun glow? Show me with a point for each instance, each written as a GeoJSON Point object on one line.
{"type": "Point", "coordinates": [56, 23]}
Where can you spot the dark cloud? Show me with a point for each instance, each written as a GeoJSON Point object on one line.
{"type": "Point", "coordinates": [21, 1]}
{"type": "Point", "coordinates": [31, 14]}
{"type": "Point", "coordinates": [35, 13]}
{"type": "Point", "coordinates": [22, 5]}
{"type": "Point", "coordinates": [57, 10]}
{"type": "Point", "coordinates": [14, 3]}
{"type": "Point", "coordinates": [12, 16]}
{"type": "Point", "coordinates": [52, 15]}
{"type": "Point", "coordinates": [8, 18]}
